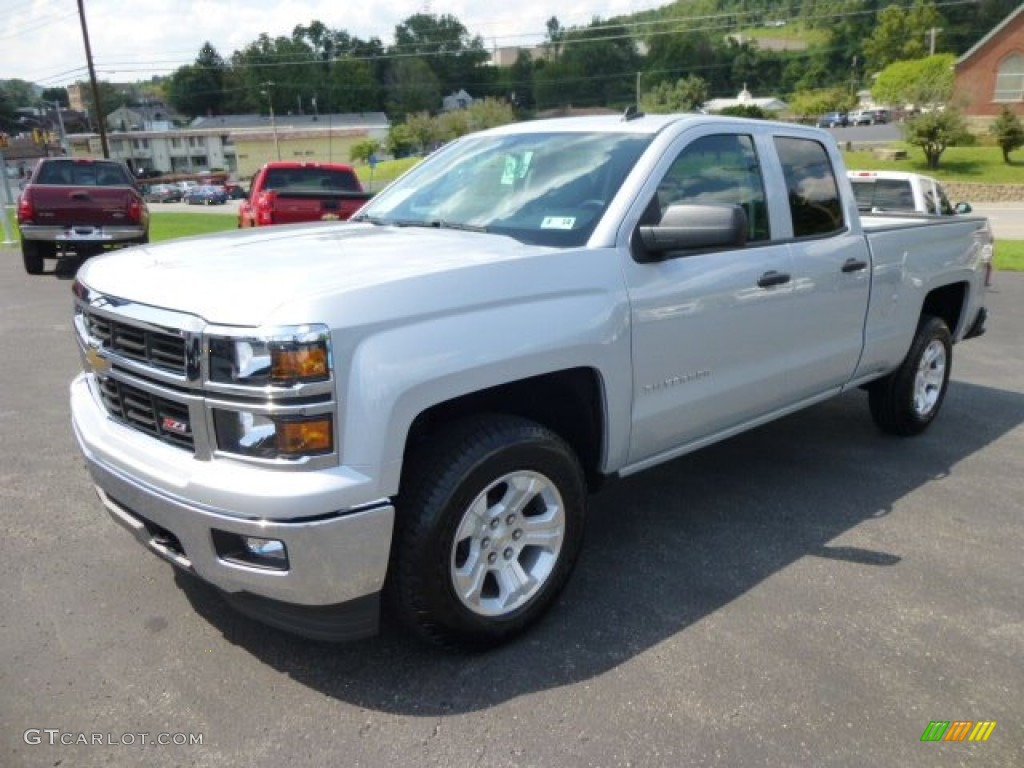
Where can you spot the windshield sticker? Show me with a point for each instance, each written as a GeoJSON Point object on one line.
{"type": "Point", "coordinates": [524, 166]}
{"type": "Point", "coordinates": [508, 177]}
{"type": "Point", "coordinates": [558, 222]}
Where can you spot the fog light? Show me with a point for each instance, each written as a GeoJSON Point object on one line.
{"type": "Point", "coordinates": [272, 549]}
{"type": "Point", "coordinates": [256, 551]}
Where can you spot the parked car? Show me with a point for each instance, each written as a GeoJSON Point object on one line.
{"type": "Point", "coordinates": [205, 195]}
{"type": "Point", "coordinates": [163, 193]}
{"type": "Point", "coordinates": [869, 117]}
{"type": "Point", "coordinates": [79, 206]}
{"type": "Point", "coordinates": [901, 191]}
{"type": "Point", "coordinates": [833, 120]}
{"type": "Point", "coordinates": [286, 192]}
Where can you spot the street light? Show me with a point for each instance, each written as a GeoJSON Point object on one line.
{"type": "Point", "coordinates": [273, 124]}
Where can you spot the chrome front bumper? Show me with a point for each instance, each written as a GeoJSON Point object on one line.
{"type": "Point", "coordinates": [336, 553]}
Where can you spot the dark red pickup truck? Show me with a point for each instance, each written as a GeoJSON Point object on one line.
{"type": "Point", "coordinates": [81, 206]}
{"type": "Point", "coordinates": [288, 193]}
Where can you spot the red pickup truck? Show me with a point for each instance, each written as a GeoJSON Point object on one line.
{"type": "Point", "coordinates": [79, 205]}
{"type": "Point", "coordinates": [287, 193]}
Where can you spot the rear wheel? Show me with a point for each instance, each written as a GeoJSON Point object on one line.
{"type": "Point", "coordinates": [33, 254]}
{"type": "Point", "coordinates": [490, 521]}
{"type": "Point", "coordinates": [907, 400]}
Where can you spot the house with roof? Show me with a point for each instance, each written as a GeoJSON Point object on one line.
{"type": "Point", "coordinates": [745, 99]}
{"type": "Point", "coordinates": [991, 74]}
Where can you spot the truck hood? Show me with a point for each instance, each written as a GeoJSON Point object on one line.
{"type": "Point", "coordinates": [243, 278]}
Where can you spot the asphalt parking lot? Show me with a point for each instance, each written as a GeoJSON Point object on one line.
{"type": "Point", "coordinates": [808, 594]}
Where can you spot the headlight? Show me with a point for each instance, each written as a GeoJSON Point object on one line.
{"type": "Point", "coordinates": [283, 357]}
{"type": "Point", "coordinates": [273, 437]}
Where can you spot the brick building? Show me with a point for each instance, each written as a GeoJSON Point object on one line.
{"type": "Point", "coordinates": [991, 74]}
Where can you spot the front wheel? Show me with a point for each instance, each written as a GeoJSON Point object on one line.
{"type": "Point", "coordinates": [907, 400]}
{"type": "Point", "coordinates": [489, 524]}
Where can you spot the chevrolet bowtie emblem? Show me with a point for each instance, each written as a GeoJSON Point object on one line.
{"type": "Point", "coordinates": [96, 361]}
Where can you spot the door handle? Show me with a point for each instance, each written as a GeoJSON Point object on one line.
{"type": "Point", "coordinates": [771, 278]}
{"type": "Point", "coordinates": [854, 265]}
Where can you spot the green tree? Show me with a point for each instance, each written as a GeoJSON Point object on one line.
{"type": "Point", "coordinates": [362, 151]}
{"type": "Point", "coordinates": [59, 95]}
{"type": "Point", "coordinates": [445, 46]}
{"type": "Point", "coordinates": [488, 113]}
{"type": "Point", "coordinates": [198, 89]}
{"type": "Point", "coordinates": [556, 33]}
{"type": "Point", "coordinates": [597, 67]}
{"type": "Point", "coordinates": [745, 110]}
{"type": "Point", "coordinates": [401, 141]}
{"type": "Point", "coordinates": [1009, 132]}
{"type": "Point", "coordinates": [424, 130]}
{"type": "Point", "coordinates": [687, 94]}
{"type": "Point", "coordinates": [809, 104]}
{"type": "Point", "coordinates": [936, 130]}
{"type": "Point", "coordinates": [412, 87]}
{"type": "Point", "coordinates": [899, 34]}
{"type": "Point", "coordinates": [922, 82]}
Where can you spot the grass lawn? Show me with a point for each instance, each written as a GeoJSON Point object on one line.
{"type": "Point", "coordinates": [1009, 255]}
{"type": "Point", "coordinates": [377, 178]}
{"type": "Point", "coordinates": [958, 164]}
{"type": "Point", "coordinates": [167, 226]}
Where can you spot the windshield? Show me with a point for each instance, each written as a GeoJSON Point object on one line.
{"type": "Point", "coordinates": [542, 188]}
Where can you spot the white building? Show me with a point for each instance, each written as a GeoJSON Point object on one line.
{"type": "Point", "coordinates": [745, 99]}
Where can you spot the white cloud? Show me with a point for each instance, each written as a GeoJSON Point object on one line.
{"type": "Point", "coordinates": [41, 40]}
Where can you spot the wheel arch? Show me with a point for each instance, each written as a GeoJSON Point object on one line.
{"type": "Point", "coordinates": [568, 402]}
{"type": "Point", "coordinates": [947, 303]}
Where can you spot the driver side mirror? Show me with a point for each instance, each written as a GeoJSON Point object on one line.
{"type": "Point", "coordinates": [691, 227]}
{"type": "Point", "coordinates": [963, 208]}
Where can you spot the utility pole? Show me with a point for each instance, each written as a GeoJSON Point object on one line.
{"type": "Point", "coordinates": [931, 39]}
{"type": "Point", "coordinates": [100, 116]}
{"type": "Point", "coordinates": [273, 123]}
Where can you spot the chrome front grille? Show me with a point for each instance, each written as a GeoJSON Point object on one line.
{"type": "Point", "coordinates": [164, 419]}
{"type": "Point", "coordinates": [160, 349]}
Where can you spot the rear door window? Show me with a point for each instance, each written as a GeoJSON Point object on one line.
{"type": "Point", "coordinates": [814, 203]}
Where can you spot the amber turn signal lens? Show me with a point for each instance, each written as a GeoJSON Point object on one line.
{"type": "Point", "coordinates": [299, 363]}
{"type": "Point", "coordinates": [305, 437]}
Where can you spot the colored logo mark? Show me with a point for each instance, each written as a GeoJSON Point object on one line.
{"type": "Point", "coordinates": [958, 730]}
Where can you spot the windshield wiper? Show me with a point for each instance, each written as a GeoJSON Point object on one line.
{"type": "Point", "coordinates": [370, 219]}
{"type": "Point", "coordinates": [442, 224]}
{"type": "Point", "coordinates": [432, 224]}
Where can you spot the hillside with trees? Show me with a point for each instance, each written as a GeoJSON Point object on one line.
{"type": "Point", "coordinates": [664, 56]}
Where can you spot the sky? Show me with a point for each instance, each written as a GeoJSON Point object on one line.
{"type": "Point", "coordinates": [41, 40]}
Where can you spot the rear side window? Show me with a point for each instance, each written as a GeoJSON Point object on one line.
{"type": "Point", "coordinates": [83, 174]}
{"type": "Point", "coordinates": [883, 195]}
{"type": "Point", "coordinates": [811, 186]}
{"type": "Point", "coordinates": [311, 180]}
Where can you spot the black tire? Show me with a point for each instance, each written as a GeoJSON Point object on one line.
{"type": "Point", "coordinates": [34, 253]}
{"type": "Point", "coordinates": [906, 401]}
{"type": "Point", "coordinates": [531, 538]}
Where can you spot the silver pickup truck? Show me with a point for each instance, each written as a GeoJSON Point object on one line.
{"type": "Point", "coordinates": [415, 405]}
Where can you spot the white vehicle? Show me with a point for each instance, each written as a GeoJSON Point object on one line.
{"type": "Point", "coordinates": [419, 401]}
{"type": "Point", "coordinates": [900, 191]}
